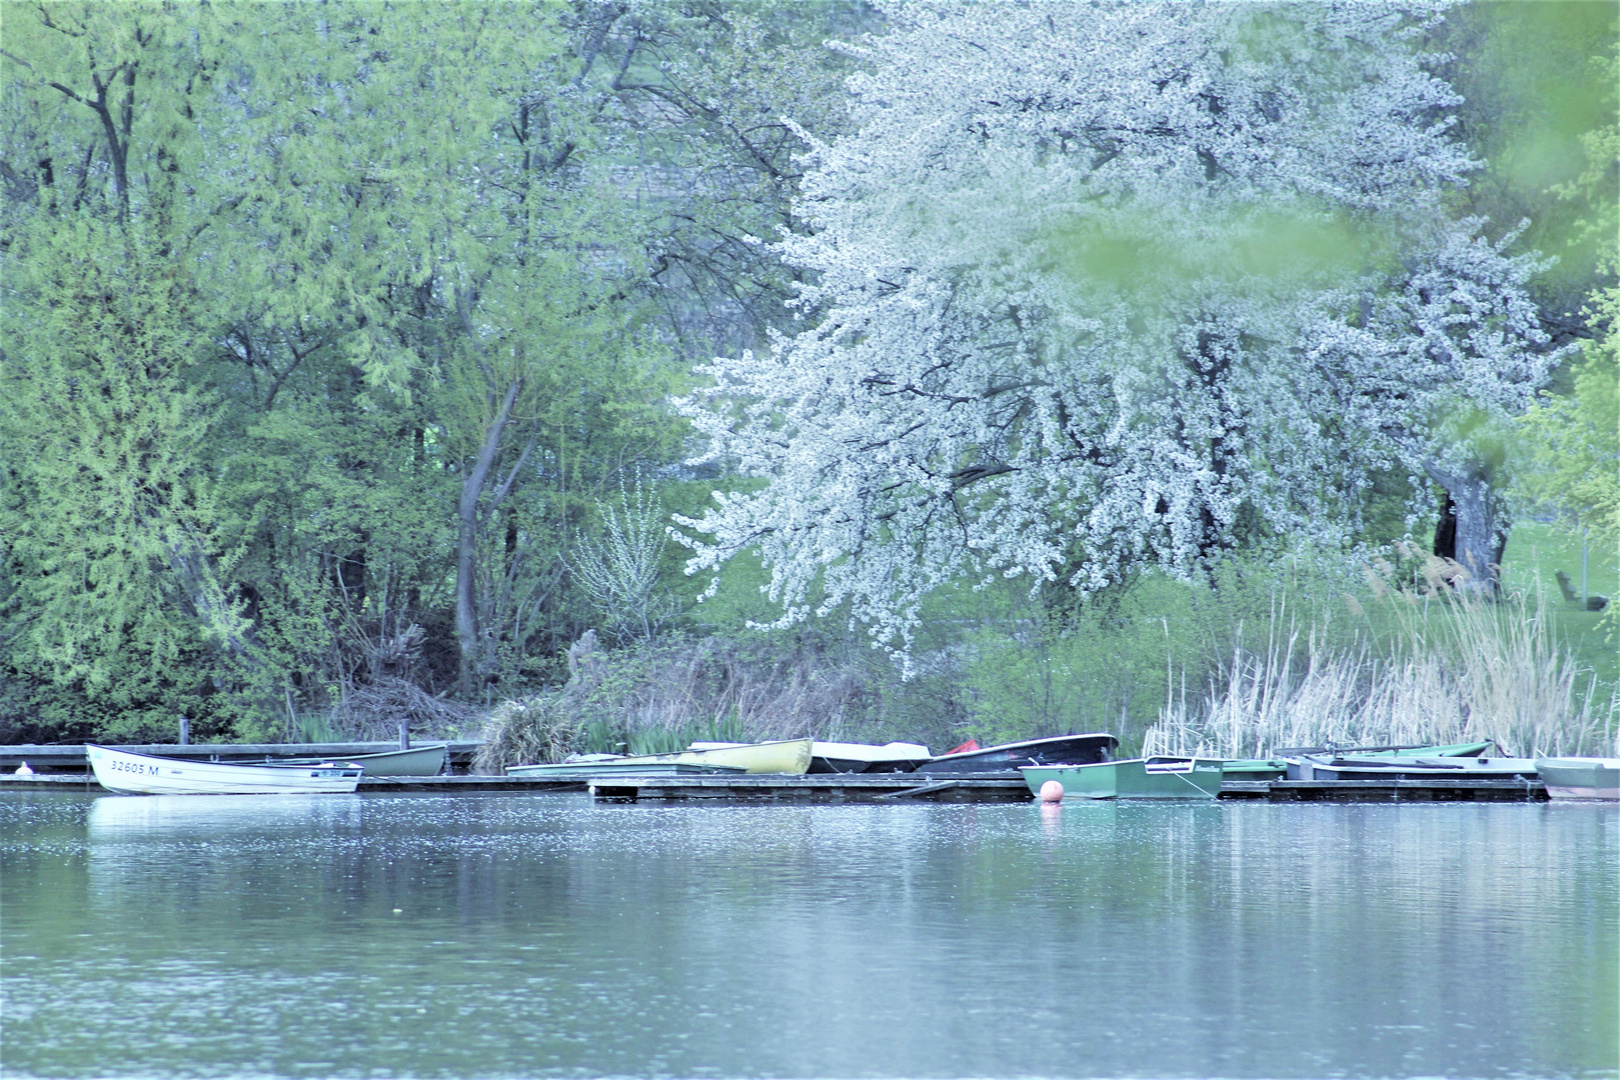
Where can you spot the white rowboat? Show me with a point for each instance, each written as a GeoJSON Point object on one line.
{"type": "Point", "coordinates": [144, 774]}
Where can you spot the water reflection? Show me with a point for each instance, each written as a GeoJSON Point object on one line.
{"type": "Point", "coordinates": [1052, 819]}
{"type": "Point", "coordinates": [116, 817]}
{"type": "Point", "coordinates": [535, 936]}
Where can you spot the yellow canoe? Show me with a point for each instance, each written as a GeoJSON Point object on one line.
{"type": "Point", "coordinates": [787, 756]}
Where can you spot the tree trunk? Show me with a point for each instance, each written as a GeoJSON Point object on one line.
{"type": "Point", "coordinates": [1471, 525]}
{"type": "Point", "coordinates": [472, 486]}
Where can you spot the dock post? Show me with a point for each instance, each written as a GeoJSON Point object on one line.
{"type": "Point", "coordinates": [185, 731]}
{"type": "Point", "coordinates": [404, 734]}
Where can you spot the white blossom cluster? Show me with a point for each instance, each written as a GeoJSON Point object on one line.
{"type": "Point", "coordinates": [1454, 338]}
{"type": "Point", "coordinates": [1102, 285]}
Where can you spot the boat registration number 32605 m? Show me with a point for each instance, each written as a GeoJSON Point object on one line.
{"type": "Point", "coordinates": [139, 768]}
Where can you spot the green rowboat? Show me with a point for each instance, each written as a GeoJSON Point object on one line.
{"type": "Point", "coordinates": [1274, 768]}
{"type": "Point", "coordinates": [1136, 778]}
{"type": "Point", "coordinates": [416, 761]}
{"type": "Point", "coordinates": [1580, 778]}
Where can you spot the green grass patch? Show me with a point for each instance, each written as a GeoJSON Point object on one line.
{"type": "Point", "coordinates": [1535, 553]}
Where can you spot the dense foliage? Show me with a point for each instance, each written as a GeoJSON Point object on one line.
{"type": "Point", "coordinates": [326, 327]}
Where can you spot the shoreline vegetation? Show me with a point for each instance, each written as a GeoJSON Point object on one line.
{"type": "Point", "coordinates": [600, 377]}
{"type": "Point", "coordinates": [1449, 667]}
{"type": "Point", "coordinates": [1414, 659]}
{"type": "Point", "coordinates": [1256, 660]}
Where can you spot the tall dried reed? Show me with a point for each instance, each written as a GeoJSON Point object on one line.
{"type": "Point", "coordinates": [1433, 664]}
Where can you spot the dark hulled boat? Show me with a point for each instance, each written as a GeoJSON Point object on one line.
{"type": "Point", "coordinates": [1010, 757]}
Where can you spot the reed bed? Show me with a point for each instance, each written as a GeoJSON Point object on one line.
{"type": "Point", "coordinates": [1433, 664]}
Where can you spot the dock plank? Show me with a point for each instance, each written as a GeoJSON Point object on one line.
{"type": "Point", "coordinates": [1436, 789]}
{"type": "Point", "coordinates": [460, 783]}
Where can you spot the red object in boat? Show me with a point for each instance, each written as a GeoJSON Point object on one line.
{"type": "Point", "coordinates": [971, 744]}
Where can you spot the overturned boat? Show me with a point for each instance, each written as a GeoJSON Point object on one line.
{"type": "Point", "coordinates": [842, 757]}
{"type": "Point", "coordinates": [1276, 766]}
{"type": "Point", "coordinates": [589, 766]}
{"type": "Point", "coordinates": [1391, 767]}
{"type": "Point", "coordinates": [1010, 757]}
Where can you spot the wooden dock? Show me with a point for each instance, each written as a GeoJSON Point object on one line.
{"type": "Point", "coordinates": [820, 787]}
{"type": "Point", "coordinates": [878, 788]}
{"type": "Point", "coordinates": [997, 787]}
{"type": "Point", "coordinates": [457, 784]}
{"type": "Point", "coordinates": [1427, 789]}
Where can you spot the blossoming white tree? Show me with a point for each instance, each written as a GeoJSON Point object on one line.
{"type": "Point", "coordinates": [1098, 286]}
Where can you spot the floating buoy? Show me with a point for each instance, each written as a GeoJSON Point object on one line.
{"type": "Point", "coordinates": [1051, 791]}
{"type": "Point", "coordinates": [24, 770]}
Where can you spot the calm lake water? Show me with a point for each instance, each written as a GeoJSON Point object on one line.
{"type": "Point", "coordinates": [516, 936]}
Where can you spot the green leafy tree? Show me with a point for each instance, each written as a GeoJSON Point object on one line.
{"type": "Point", "coordinates": [119, 589]}
{"type": "Point", "coordinates": [1538, 83]}
{"type": "Point", "coordinates": [110, 516]}
{"type": "Point", "coordinates": [1573, 440]}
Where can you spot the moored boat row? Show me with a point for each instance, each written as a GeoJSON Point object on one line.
{"type": "Point", "coordinates": [1077, 765]}
{"type": "Point", "coordinates": [797, 757]}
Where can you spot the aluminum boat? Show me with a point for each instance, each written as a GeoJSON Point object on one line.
{"type": "Point", "coordinates": [147, 774]}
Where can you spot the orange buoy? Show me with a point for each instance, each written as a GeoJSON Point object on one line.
{"type": "Point", "coordinates": [1051, 791]}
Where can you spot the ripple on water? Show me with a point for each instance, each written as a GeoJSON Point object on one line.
{"type": "Point", "coordinates": [513, 935]}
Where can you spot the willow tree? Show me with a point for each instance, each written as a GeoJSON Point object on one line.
{"type": "Point", "coordinates": [111, 519]}
{"type": "Point", "coordinates": [1069, 280]}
